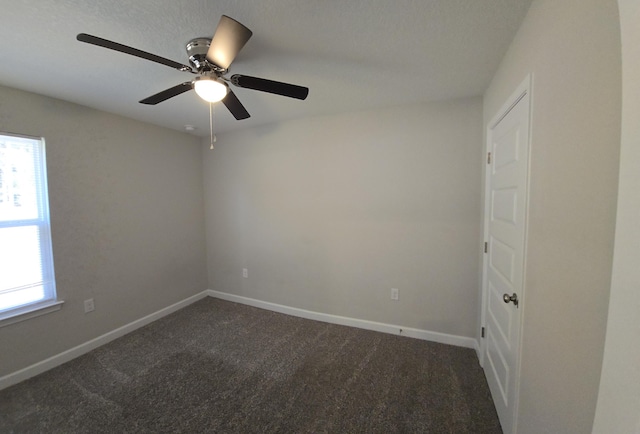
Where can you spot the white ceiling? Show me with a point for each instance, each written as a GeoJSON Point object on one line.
{"type": "Point", "coordinates": [352, 54]}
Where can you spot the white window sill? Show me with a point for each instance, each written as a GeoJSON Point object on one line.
{"type": "Point", "coordinates": [29, 312]}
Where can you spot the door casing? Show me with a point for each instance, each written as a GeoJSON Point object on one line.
{"type": "Point", "coordinates": [524, 89]}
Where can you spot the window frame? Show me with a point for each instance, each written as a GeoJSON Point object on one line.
{"type": "Point", "coordinates": [49, 303]}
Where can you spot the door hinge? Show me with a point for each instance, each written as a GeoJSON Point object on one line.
{"type": "Point", "coordinates": [489, 158]}
{"type": "Point", "coordinates": [486, 247]}
{"type": "Point", "coordinates": [482, 331]}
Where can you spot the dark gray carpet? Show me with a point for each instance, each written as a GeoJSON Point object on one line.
{"type": "Point", "coordinates": [217, 366]}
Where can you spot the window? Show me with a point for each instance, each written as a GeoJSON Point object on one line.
{"type": "Point", "coordinates": [27, 284]}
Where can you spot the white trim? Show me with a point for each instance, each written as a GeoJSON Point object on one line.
{"type": "Point", "coordinates": [29, 311]}
{"type": "Point", "coordinates": [43, 284]}
{"type": "Point", "coordinates": [443, 338]}
{"type": "Point", "coordinates": [476, 347]}
{"type": "Point", "coordinates": [68, 355]}
{"type": "Point", "coordinates": [525, 88]}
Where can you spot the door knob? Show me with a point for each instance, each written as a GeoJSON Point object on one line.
{"type": "Point", "coordinates": [514, 298]}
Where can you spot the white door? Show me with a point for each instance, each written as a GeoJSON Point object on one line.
{"type": "Point", "coordinates": [505, 234]}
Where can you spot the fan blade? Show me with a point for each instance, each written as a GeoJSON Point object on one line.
{"type": "Point", "coordinates": [228, 40]}
{"type": "Point", "coordinates": [90, 39]}
{"type": "Point", "coordinates": [264, 85]}
{"type": "Point", "coordinates": [234, 105]}
{"type": "Point", "coordinates": [168, 93]}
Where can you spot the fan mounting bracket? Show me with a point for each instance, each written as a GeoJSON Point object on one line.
{"type": "Point", "coordinates": [197, 49]}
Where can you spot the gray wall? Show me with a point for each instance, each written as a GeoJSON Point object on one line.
{"type": "Point", "coordinates": [572, 47]}
{"type": "Point", "coordinates": [127, 222]}
{"type": "Point", "coordinates": [619, 398]}
{"type": "Point", "coordinates": [330, 213]}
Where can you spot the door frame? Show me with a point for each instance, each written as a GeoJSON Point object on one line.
{"type": "Point", "coordinates": [524, 89]}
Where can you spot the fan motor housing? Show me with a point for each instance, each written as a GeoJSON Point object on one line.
{"type": "Point", "coordinates": [197, 52]}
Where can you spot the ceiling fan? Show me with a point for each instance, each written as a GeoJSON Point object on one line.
{"type": "Point", "coordinates": [210, 60]}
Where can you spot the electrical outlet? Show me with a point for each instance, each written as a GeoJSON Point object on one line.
{"type": "Point", "coordinates": [245, 272]}
{"type": "Point", "coordinates": [89, 306]}
{"type": "Point", "coordinates": [395, 294]}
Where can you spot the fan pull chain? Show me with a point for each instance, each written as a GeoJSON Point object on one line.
{"type": "Point", "coordinates": [213, 137]}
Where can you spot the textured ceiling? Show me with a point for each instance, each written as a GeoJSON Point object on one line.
{"type": "Point", "coordinates": [352, 54]}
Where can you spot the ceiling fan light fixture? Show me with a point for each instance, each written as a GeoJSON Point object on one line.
{"type": "Point", "coordinates": [209, 59]}
{"type": "Point", "coordinates": [210, 89]}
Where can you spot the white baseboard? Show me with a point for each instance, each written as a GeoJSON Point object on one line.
{"type": "Point", "coordinates": [65, 356]}
{"type": "Point", "coordinates": [443, 338]}
{"type": "Point", "coordinates": [68, 355]}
